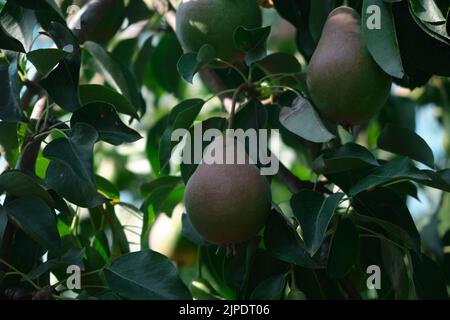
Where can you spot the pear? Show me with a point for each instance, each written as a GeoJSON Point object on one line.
{"type": "Point", "coordinates": [214, 22]}
{"type": "Point", "coordinates": [227, 200]}
{"type": "Point", "coordinates": [344, 82]}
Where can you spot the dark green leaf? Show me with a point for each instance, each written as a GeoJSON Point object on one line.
{"type": "Point", "coordinates": [46, 59]}
{"type": "Point", "coordinates": [382, 43]}
{"type": "Point", "coordinates": [33, 216]}
{"type": "Point", "coordinates": [253, 42]}
{"type": "Point", "coordinates": [9, 142]}
{"type": "Point", "coordinates": [20, 184]}
{"type": "Point", "coordinates": [70, 172]}
{"type": "Point", "coordinates": [392, 171]}
{"type": "Point", "coordinates": [270, 289]}
{"type": "Point", "coordinates": [3, 223]}
{"type": "Point", "coordinates": [104, 119]}
{"type": "Point", "coordinates": [115, 73]}
{"type": "Point", "coordinates": [10, 107]}
{"type": "Point", "coordinates": [314, 213]}
{"type": "Point", "coordinates": [18, 24]}
{"type": "Point", "coordinates": [62, 82]}
{"type": "Point", "coordinates": [106, 188]}
{"type": "Point", "coordinates": [428, 278]}
{"type": "Point", "coordinates": [283, 242]}
{"type": "Point", "coordinates": [145, 275]}
{"type": "Point", "coordinates": [347, 157]}
{"type": "Point", "coordinates": [405, 142]}
{"type": "Point", "coordinates": [181, 117]}
{"type": "Point", "coordinates": [97, 93]}
{"type": "Point", "coordinates": [344, 250]}
{"type": "Point", "coordinates": [190, 63]}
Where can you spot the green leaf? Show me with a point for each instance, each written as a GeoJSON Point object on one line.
{"type": "Point", "coordinates": [46, 59]}
{"type": "Point", "coordinates": [73, 256]}
{"type": "Point", "coordinates": [3, 223]}
{"type": "Point", "coordinates": [20, 184]}
{"type": "Point", "coordinates": [33, 216]}
{"type": "Point", "coordinates": [407, 143]}
{"type": "Point", "coordinates": [106, 188]}
{"type": "Point", "coordinates": [427, 11]}
{"type": "Point", "coordinates": [383, 211]}
{"type": "Point", "coordinates": [318, 14]}
{"type": "Point", "coordinates": [153, 144]}
{"type": "Point", "coordinates": [116, 74]}
{"type": "Point", "coordinates": [190, 63]}
{"type": "Point", "coordinates": [145, 275]}
{"type": "Point", "coordinates": [104, 119]}
{"type": "Point", "coordinates": [344, 250]}
{"type": "Point", "coordinates": [270, 289]}
{"type": "Point", "coordinates": [282, 63]}
{"type": "Point", "coordinates": [9, 142]}
{"type": "Point", "coordinates": [347, 157]}
{"type": "Point", "coordinates": [10, 107]}
{"type": "Point", "coordinates": [181, 117]}
{"type": "Point", "coordinates": [395, 170]}
{"type": "Point", "coordinates": [62, 82]}
{"type": "Point", "coordinates": [314, 213]}
{"type": "Point", "coordinates": [283, 242]}
{"type": "Point", "coordinates": [304, 121]}
{"type": "Point", "coordinates": [253, 42]}
{"type": "Point", "coordinates": [428, 278]}
{"type": "Point", "coordinates": [382, 43]}
{"type": "Point", "coordinates": [18, 24]}
{"type": "Point", "coordinates": [90, 93]}
{"type": "Point", "coordinates": [70, 172]}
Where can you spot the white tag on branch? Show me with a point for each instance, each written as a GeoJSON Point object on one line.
{"type": "Point", "coordinates": [304, 121]}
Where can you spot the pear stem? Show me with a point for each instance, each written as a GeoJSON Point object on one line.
{"type": "Point", "coordinates": [236, 94]}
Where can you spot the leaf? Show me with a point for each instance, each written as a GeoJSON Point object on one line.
{"type": "Point", "coordinates": [347, 157]}
{"type": "Point", "coordinates": [73, 256]}
{"type": "Point", "coordinates": [3, 223]}
{"type": "Point", "coordinates": [104, 119]}
{"type": "Point", "coordinates": [153, 144]}
{"type": "Point", "coordinates": [62, 82]}
{"type": "Point", "coordinates": [384, 209]}
{"type": "Point", "coordinates": [33, 216]}
{"type": "Point", "coordinates": [253, 42]}
{"type": "Point", "coordinates": [181, 117]}
{"type": "Point", "coordinates": [190, 63]}
{"type": "Point", "coordinates": [270, 289]}
{"type": "Point", "coordinates": [282, 63]}
{"type": "Point", "coordinates": [395, 170]}
{"type": "Point", "coordinates": [304, 121]}
{"type": "Point", "coordinates": [116, 74]}
{"type": "Point", "coordinates": [46, 59]}
{"type": "Point", "coordinates": [17, 24]}
{"type": "Point", "coordinates": [382, 43]}
{"type": "Point", "coordinates": [70, 172]}
{"type": "Point", "coordinates": [145, 275]}
{"type": "Point", "coordinates": [314, 213]}
{"type": "Point", "coordinates": [107, 189]}
{"type": "Point", "coordinates": [9, 142]}
{"type": "Point", "coordinates": [427, 11]}
{"type": "Point", "coordinates": [318, 13]}
{"type": "Point", "coordinates": [90, 93]}
{"type": "Point", "coordinates": [20, 184]}
{"type": "Point", "coordinates": [344, 250]}
{"type": "Point", "coordinates": [283, 242]}
{"type": "Point", "coordinates": [407, 143]}
{"type": "Point", "coordinates": [10, 106]}
{"type": "Point", "coordinates": [428, 278]}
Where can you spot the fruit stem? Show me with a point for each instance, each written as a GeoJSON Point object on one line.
{"type": "Point", "coordinates": [236, 94]}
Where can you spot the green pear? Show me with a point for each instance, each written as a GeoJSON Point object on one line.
{"type": "Point", "coordinates": [227, 201]}
{"type": "Point", "coordinates": [213, 22]}
{"type": "Point", "coordinates": [344, 82]}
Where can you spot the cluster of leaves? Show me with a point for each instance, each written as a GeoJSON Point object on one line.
{"type": "Point", "coordinates": [315, 245]}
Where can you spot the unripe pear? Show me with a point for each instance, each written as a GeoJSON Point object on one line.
{"type": "Point", "coordinates": [214, 22]}
{"type": "Point", "coordinates": [227, 202]}
{"type": "Point", "coordinates": [344, 82]}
